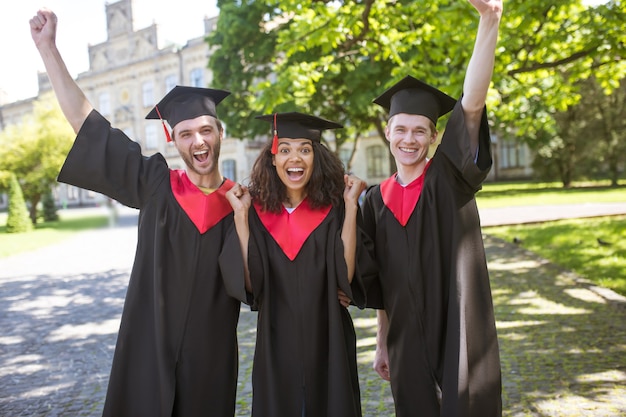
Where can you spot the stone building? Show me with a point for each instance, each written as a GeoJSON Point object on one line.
{"type": "Point", "coordinates": [128, 74]}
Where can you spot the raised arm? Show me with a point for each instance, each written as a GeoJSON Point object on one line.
{"type": "Point", "coordinates": [354, 188]}
{"type": "Point", "coordinates": [240, 200]}
{"type": "Point", "coordinates": [480, 67]}
{"type": "Point", "coordinates": [74, 104]}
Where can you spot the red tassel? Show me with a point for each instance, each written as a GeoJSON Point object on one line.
{"type": "Point", "coordinates": [275, 138]}
{"type": "Point", "coordinates": [275, 144]}
{"type": "Point", "coordinates": [167, 132]}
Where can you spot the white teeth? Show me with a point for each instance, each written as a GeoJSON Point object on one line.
{"type": "Point", "coordinates": [295, 169]}
{"type": "Point", "coordinates": [408, 150]}
{"type": "Point", "coordinates": [200, 152]}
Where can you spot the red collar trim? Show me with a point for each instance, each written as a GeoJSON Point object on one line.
{"type": "Point", "coordinates": [291, 230]}
{"type": "Point", "coordinates": [205, 211]}
{"type": "Point", "coordinates": [401, 201]}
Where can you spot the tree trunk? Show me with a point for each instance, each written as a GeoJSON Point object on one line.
{"type": "Point", "coordinates": [34, 202]}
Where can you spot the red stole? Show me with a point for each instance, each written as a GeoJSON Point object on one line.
{"type": "Point", "coordinates": [291, 230]}
{"type": "Point", "coordinates": [401, 200]}
{"type": "Point", "coordinates": [205, 211]}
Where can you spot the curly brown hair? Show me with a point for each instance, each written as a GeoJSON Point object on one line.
{"type": "Point", "coordinates": [324, 188]}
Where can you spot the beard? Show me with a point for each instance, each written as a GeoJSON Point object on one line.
{"type": "Point", "coordinates": [214, 154]}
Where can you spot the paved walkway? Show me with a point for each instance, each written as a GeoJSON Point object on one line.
{"type": "Point", "coordinates": [562, 340]}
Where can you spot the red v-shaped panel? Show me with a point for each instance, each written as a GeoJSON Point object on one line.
{"type": "Point", "coordinates": [401, 201]}
{"type": "Point", "coordinates": [205, 211]}
{"type": "Point", "coordinates": [291, 230]}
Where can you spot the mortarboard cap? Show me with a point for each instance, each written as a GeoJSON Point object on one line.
{"type": "Point", "coordinates": [412, 96]}
{"type": "Point", "coordinates": [296, 125]}
{"type": "Point", "coordinates": [184, 103]}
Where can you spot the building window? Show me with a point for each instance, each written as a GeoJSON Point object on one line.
{"type": "Point", "coordinates": [229, 169]}
{"type": "Point", "coordinates": [104, 104]}
{"type": "Point", "coordinates": [147, 93]}
{"type": "Point", "coordinates": [152, 140]}
{"type": "Point", "coordinates": [375, 161]}
{"type": "Point", "coordinates": [512, 154]}
{"type": "Point", "coordinates": [197, 77]}
{"type": "Point", "coordinates": [72, 193]}
{"type": "Point", "coordinates": [170, 82]}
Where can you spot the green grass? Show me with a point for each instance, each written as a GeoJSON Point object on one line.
{"type": "Point", "coordinates": [574, 245]}
{"type": "Point", "coordinates": [47, 233]}
{"type": "Point", "coordinates": [530, 194]}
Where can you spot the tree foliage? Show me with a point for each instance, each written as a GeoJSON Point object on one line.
{"type": "Point", "coordinates": [242, 56]}
{"type": "Point", "coordinates": [49, 208]}
{"type": "Point", "coordinates": [333, 58]}
{"type": "Point", "coordinates": [546, 50]}
{"type": "Point", "coordinates": [18, 220]}
{"type": "Point", "coordinates": [35, 150]}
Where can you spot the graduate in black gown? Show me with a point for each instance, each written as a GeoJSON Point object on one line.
{"type": "Point", "coordinates": [436, 339]}
{"type": "Point", "coordinates": [298, 233]}
{"type": "Point", "coordinates": [176, 352]}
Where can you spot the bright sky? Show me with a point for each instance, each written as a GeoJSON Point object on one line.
{"type": "Point", "coordinates": [82, 23]}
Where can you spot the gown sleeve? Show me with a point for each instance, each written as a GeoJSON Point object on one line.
{"type": "Point", "coordinates": [373, 288]}
{"type": "Point", "coordinates": [231, 266]}
{"type": "Point", "coordinates": [103, 159]}
{"type": "Point", "coordinates": [455, 146]}
{"type": "Point", "coordinates": [258, 259]}
{"type": "Point", "coordinates": [365, 270]}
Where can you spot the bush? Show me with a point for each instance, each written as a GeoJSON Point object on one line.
{"type": "Point", "coordinates": [49, 209]}
{"type": "Point", "coordinates": [18, 219]}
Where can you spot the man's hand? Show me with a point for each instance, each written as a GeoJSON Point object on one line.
{"type": "Point", "coordinates": [381, 362]}
{"type": "Point", "coordinates": [485, 7]}
{"type": "Point", "coordinates": [344, 300]}
{"type": "Point", "coordinates": [43, 27]}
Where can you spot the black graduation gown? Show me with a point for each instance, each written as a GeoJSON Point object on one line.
{"type": "Point", "coordinates": [435, 286]}
{"type": "Point", "coordinates": [176, 352]}
{"type": "Point", "coordinates": [305, 354]}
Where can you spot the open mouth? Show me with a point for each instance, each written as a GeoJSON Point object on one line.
{"type": "Point", "coordinates": [201, 156]}
{"type": "Point", "coordinates": [295, 173]}
{"type": "Point", "coordinates": [408, 150]}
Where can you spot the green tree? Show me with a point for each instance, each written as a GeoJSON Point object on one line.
{"type": "Point", "coordinates": [606, 128]}
{"type": "Point", "coordinates": [333, 58]}
{"type": "Point", "coordinates": [35, 150]}
{"type": "Point", "coordinates": [49, 209]}
{"type": "Point", "coordinates": [18, 220]}
{"type": "Point", "coordinates": [242, 55]}
{"type": "Point", "coordinates": [588, 140]}
{"type": "Point", "coordinates": [548, 52]}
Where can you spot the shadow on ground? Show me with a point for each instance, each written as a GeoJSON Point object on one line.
{"type": "Point", "coordinates": [56, 343]}
{"type": "Point", "coordinates": [562, 342]}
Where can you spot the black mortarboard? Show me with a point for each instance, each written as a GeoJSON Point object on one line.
{"type": "Point", "coordinates": [296, 125]}
{"type": "Point", "coordinates": [412, 96]}
{"type": "Point", "coordinates": [184, 103]}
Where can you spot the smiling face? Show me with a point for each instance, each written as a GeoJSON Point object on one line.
{"type": "Point", "coordinates": [198, 142]}
{"type": "Point", "coordinates": [410, 137]}
{"type": "Point", "coordinates": [294, 166]}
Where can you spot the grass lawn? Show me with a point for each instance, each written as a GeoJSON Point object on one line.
{"type": "Point", "coordinates": [594, 248]}
{"type": "Point", "coordinates": [530, 194]}
{"type": "Point", "coordinates": [48, 233]}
